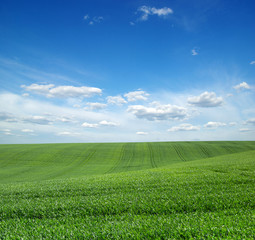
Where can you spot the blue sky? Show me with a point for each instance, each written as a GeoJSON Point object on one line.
{"type": "Point", "coordinates": [110, 71]}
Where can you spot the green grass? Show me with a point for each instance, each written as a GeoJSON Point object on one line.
{"type": "Point", "coordinates": [184, 190]}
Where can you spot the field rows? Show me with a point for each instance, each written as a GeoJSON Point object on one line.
{"type": "Point", "coordinates": [209, 198]}
{"type": "Point", "coordinates": [50, 161]}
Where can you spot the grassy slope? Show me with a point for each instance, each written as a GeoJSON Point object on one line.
{"type": "Point", "coordinates": [202, 199]}
{"type": "Point", "coordinates": [50, 161]}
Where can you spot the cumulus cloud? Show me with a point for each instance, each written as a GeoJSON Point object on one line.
{"type": "Point", "coordinates": [136, 96]}
{"type": "Point", "coordinates": [62, 91]}
{"type": "Point", "coordinates": [214, 125]}
{"type": "Point", "coordinates": [241, 86]}
{"type": "Point", "coordinates": [141, 133]}
{"type": "Point", "coordinates": [159, 112]}
{"type": "Point", "coordinates": [184, 127]}
{"type": "Point", "coordinates": [160, 12]}
{"type": "Point", "coordinates": [116, 100]}
{"type": "Point", "coordinates": [95, 106]}
{"type": "Point", "coordinates": [206, 99]}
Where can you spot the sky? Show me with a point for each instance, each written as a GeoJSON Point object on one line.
{"type": "Point", "coordinates": [126, 71]}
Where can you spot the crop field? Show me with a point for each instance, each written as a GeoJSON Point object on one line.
{"type": "Point", "coordinates": [162, 190]}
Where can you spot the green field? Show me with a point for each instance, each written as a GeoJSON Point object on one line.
{"type": "Point", "coordinates": [163, 190]}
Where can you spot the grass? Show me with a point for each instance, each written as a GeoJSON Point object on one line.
{"type": "Point", "coordinates": [185, 190]}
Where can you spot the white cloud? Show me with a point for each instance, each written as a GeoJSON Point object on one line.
{"type": "Point", "coordinates": [98, 19]}
{"type": "Point", "coordinates": [107, 123]}
{"type": "Point", "coordinates": [136, 96]}
{"type": "Point", "coordinates": [206, 99]}
{"type": "Point", "coordinates": [6, 130]}
{"type": "Point", "coordinates": [37, 120]}
{"type": "Point", "coordinates": [38, 89]}
{"type": "Point", "coordinates": [51, 91]}
{"type": "Point", "coordinates": [232, 124]}
{"type": "Point", "coordinates": [194, 52]}
{"type": "Point", "coordinates": [141, 133]}
{"type": "Point", "coordinates": [27, 130]}
{"type": "Point", "coordinates": [95, 105]}
{"type": "Point", "coordinates": [25, 95]}
{"type": "Point", "coordinates": [103, 123]}
{"type": "Point", "coordinates": [160, 12]}
{"type": "Point", "coordinates": [244, 130]}
{"type": "Point", "coordinates": [242, 85]}
{"type": "Point", "coordinates": [8, 133]}
{"type": "Point", "coordinates": [159, 112]}
{"type": "Point", "coordinates": [7, 117]}
{"type": "Point", "coordinates": [214, 125]}
{"type": "Point", "coordinates": [117, 100]}
{"type": "Point", "coordinates": [252, 62]}
{"type": "Point", "coordinates": [66, 133]}
{"type": "Point", "coordinates": [89, 125]}
{"type": "Point", "coordinates": [86, 17]}
{"type": "Point", "coordinates": [250, 121]}
{"type": "Point", "coordinates": [184, 127]}
{"type": "Point", "coordinates": [92, 21]}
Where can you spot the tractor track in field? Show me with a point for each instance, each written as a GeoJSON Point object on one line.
{"type": "Point", "coordinates": [118, 162]}
{"type": "Point", "coordinates": [178, 150]}
{"type": "Point", "coordinates": [152, 156]}
{"type": "Point", "coordinates": [205, 151]}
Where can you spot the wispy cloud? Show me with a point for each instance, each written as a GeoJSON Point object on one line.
{"type": "Point", "coordinates": [27, 130]}
{"type": "Point", "coordinates": [184, 127]}
{"type": "Point", "coordinates": [194, 52]}
{"type": "Point", "coordinates": [8, 117]}
{"type": "Point", "coordinates": [250, 121]}
{"type": "Point", "coordinates": [244, 130]}
{"type": "Point", "coordinates": [42, 120]}
{"type": "Point", "coordinates": [147, 10]}
{"type": "Point", "coordinates": [243, 85]}
{"type": "Point", "coordinates": [93, 20]}
{"type": "Point", "coordinates": [206, 99]}
{"type": "Point", "coordinates": [252, 62]}
{"type": "Point", "coordinates": [68, 134]}
{"type": "Point", "coordinates": [142, 133]}
{"type": "Point", "coordinates": [86, 17]}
